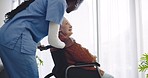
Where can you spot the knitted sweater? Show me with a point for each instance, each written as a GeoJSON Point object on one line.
{"type": "Point", "coordinates": [78, 54]}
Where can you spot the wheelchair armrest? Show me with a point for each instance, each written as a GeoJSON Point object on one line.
{"type": "Point", "coordinates": [81, 65]}
{"type": "Point", "coordinates": [88, 64]}
{"type": "Point", "coordinates": [84, 65]}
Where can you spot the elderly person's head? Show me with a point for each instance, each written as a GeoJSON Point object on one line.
{"type": "Point", "coordinates": [65, 29]}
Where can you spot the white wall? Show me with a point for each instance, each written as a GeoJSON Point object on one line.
{"type": "Point", "coordinates": [5, 6]}
{"type": "Point", "coordinates": [145, 24]}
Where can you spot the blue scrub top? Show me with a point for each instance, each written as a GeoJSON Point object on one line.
{"type": "Point", "coordinates": [34, 19]}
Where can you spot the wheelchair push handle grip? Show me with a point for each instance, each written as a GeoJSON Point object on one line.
{"type": "Point", "coordinates": [48, 46]}
{"type": "Point", "coordinates": [41, 48]}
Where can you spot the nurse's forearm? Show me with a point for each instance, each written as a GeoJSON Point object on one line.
{"type": "Point", "coordinates": [53, 38]}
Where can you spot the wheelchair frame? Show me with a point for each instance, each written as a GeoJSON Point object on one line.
{"type": "Point", "coordinates": [71, 66]}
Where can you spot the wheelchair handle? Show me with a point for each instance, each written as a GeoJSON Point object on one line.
{"type": "Point", "coordinates": [44, 48]}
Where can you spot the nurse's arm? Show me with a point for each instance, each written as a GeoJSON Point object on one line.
{"type": "Point", "coordinates": [53, 38]}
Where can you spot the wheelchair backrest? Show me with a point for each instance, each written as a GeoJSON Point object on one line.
{"type": "Point", "coordinates": [60, 64]}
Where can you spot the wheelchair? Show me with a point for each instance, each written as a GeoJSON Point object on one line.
{"type": "Point", "coordinates": [61, 68]}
